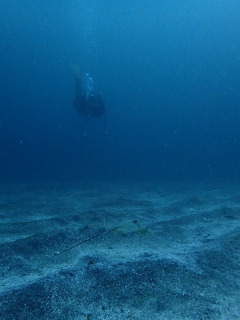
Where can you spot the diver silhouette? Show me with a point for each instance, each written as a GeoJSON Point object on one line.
{"type": "Point", "coordinates": [89, 104]}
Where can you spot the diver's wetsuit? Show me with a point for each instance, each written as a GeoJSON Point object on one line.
{"type": "Point", "coordinates": [90, 104]}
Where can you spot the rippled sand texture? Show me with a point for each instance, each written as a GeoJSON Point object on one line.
{"type": "Point", "coordinates": [140, 251]}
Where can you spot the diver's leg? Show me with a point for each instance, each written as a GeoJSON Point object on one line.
{"type": "Point", "coordinates": [78, 86]}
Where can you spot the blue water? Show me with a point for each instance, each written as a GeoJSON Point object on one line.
{"type": "Point", "coordinates": [169, 72]}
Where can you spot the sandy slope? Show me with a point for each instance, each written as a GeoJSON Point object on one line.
{"type": "Point", "coordinates": [174, 253]}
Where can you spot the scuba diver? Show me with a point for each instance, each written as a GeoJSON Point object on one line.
{"type": "Point", "coordinates": [89, 104]}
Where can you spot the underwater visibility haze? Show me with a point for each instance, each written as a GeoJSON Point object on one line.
{"type": "Point", "coordinates": [168, 72]}
{"type": "Point", "coordinates": [119, 159]}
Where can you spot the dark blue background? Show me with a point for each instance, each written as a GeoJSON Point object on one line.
{"type": "Point", "coordinates": [169, 74]}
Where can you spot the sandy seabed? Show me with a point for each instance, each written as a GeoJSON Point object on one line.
{"type": "Point", "coordinates": [142, 251]}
